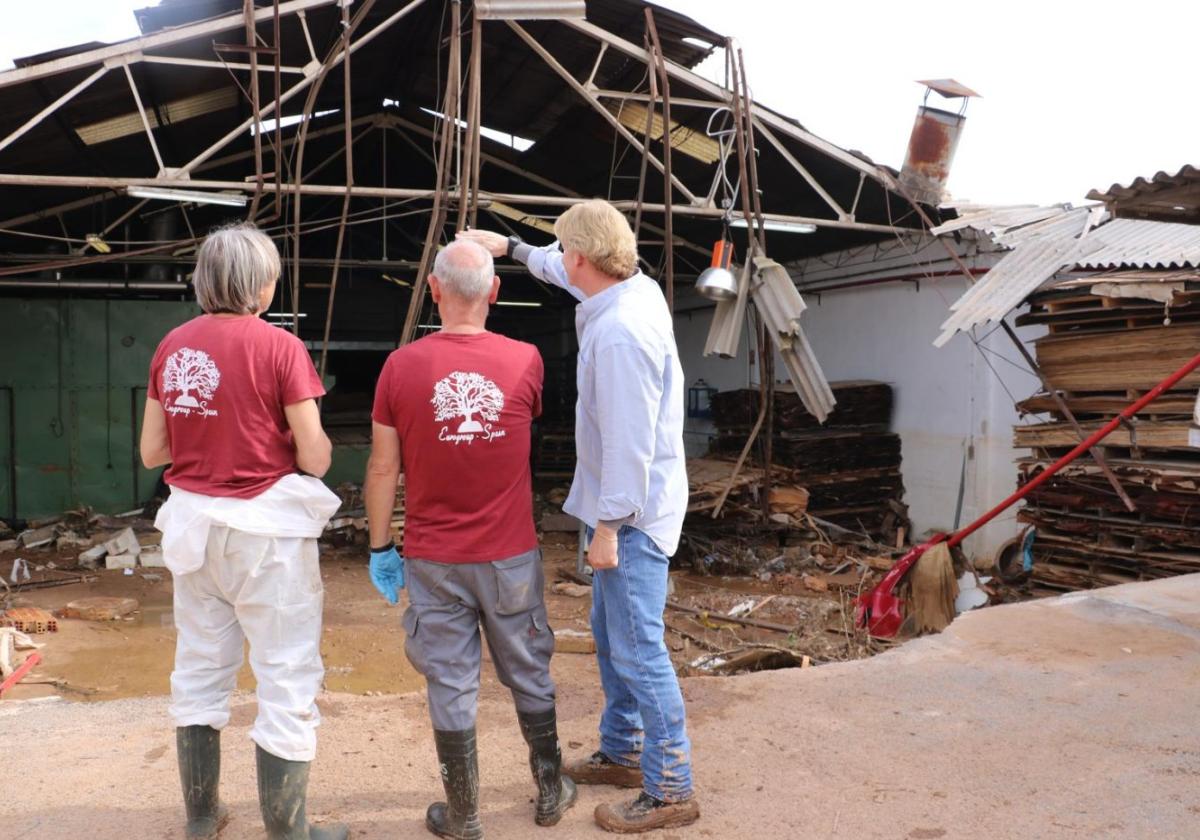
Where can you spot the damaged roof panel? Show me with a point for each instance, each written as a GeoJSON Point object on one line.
{"type": "Point", "coordinates": [1045, 242]}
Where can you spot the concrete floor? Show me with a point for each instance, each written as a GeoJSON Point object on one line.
{"type": "Point", "coordinates": [1069, 718]}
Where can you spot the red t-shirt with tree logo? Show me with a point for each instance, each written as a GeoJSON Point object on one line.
{"type": "Point", "coordinates": [463, 406]}
{"type": "Point", "coordinates": [223, 383]}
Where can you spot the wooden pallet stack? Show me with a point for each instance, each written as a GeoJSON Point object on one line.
{"type": "Point", "coordinates": [1110, 340]}
{"type": "Point", "coordinates": [850, 465]}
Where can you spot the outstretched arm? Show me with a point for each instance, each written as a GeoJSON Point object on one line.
{"type": "Point", "coordinates": [543, 263]}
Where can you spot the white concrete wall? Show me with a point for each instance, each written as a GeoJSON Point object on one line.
{"type": "Point", "coordinates": [952, 410]}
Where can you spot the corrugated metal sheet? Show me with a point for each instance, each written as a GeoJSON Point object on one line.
{"type": "Point", "coordinates": [1047, 240]}
{"type": "Point", "coordinates": [1134, 243]}
{"type": "Point", "coordinates": [529, 9]}
{"type": "Point", "coordinates": [1160, 180]}
{"type": "Point", "coordinates": [780, 305]}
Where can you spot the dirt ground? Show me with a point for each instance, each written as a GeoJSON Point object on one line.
{"type": "Point", "coordinates": [1073, 717]}
{"type": "Point", "coordinates": [363, 640]}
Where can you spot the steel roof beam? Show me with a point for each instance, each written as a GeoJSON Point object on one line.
{"type": "Point", "coordinates": [127, 49]}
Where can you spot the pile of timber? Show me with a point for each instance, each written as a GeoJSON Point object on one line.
{"type": "Point", "coordinates": [850, 465]}
{"type": "Point", "coordinates": [1110, 340]}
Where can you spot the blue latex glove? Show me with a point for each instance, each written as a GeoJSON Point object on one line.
{"type": "Point", "coordinates": [387, 572]}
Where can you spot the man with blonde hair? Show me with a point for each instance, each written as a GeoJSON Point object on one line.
{"type": "Point", "coordinates": [454, 410]}
{"type": "Point", "coordinates": [630, 489]}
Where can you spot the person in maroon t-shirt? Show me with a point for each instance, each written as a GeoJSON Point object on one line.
{"type": "Point", "coordinates": [454, 410]}
{"type": "Point", "coordinates": [231, 406]}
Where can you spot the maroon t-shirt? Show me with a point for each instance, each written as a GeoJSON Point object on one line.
{"type": "Point", "coordinates": [462, 406]}
{"type": "Point", "coordinates": [223, 383]}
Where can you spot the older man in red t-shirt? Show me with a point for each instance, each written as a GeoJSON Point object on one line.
{"type": "Point", "coordinates": [455, 409]}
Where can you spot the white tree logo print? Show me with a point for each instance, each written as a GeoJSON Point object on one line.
{"type": "Point", "coordinates": [189, 370]}
{"type": "Point", "coordinates": [466, 395]}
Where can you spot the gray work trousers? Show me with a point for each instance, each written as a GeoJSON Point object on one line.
{"type": "Point", "coordinates": [449, 603]}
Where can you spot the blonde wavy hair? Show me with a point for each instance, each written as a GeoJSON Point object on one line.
{"type": "Point", "coordinates": [597, 230]}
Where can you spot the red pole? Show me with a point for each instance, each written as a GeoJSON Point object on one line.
{"type": "Point", "coordinates": [16, 676]}
{"type": "Point", "coordinates": [880, 610]}
{"type": "Point", "coordinates": [1084, 446]}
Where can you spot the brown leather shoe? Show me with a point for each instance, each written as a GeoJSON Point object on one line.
{"type": "Point", "coordinates": [646, 814]}
{"type": "Point", "coordinates": [599, 769]}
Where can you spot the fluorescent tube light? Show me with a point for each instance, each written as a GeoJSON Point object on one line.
{"type": "Point", "coordinates": [530, 303]}
{"type": "Point", "coordinates": [783, 227]}
{"type": "Point", "coordinates": [189, 196]}
{"type": "Point", "coordinates": [286, 315]}
{"type": "Point", "coordinates": [697, 42]}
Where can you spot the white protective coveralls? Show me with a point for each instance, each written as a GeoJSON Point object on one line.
{"type": "Point", "coordinates": [248, 569]}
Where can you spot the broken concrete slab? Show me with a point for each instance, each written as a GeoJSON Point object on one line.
{"type": "Point", "coordinates": [91, 558]}
{"type": "Point", "coordinates": [572, 589]}
{"type": "Point", "coordinates": [152, 558]}
{"type": "Point", "coordinates": [38, 537]}
{"type": "Point", "coordinates": [122, 542]}
{"type": "Point", "coordinates": [121, 561]}
{"type": "Point", "coordinates": [573, 641]}
{"type": "Point", "coordinates": [100, 608]}
{"type": "Point", "coordinates": [8, 545]}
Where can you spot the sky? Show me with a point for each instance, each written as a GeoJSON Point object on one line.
{"type": "Point", "coordinates": [1076, 94]}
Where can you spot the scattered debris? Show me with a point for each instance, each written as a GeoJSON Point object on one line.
{"type": "Point", "coordinates": [850, 466]}
{"type": "Point", "coordinates": [100, 608]}
{"type": "Point", "coordinates": [91, 558]}
{"type": "Point", "coordinates": [121, 543]}
{"type": "Point", "coordinates": [29, 620]}
{"type": "Point", "coordinates": [38, 537]}
{"type": "Point", "coordinates": [970, 592]}
{"type": "Point", "coordinates": [15, 677]}
{"type": "Point", "coordinates": [572, 589]}
{"type": "Point", "coordinates": [121, 561]}
{"type": "Point", "coordinates": [20, 571]}
{"type": "Point", "coordinates": [11, 641]}
{"type": "Point", "coordinates": [573, 641]}
{"type": "Point", "coordinates": [152, 558]}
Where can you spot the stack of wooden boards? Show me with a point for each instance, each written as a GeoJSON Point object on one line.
{"type": "Point", "coordinates": [1111, 339]}
{"type": "Point", "coordinates": [850, 465]}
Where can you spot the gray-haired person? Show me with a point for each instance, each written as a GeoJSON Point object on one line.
{"type": "Point", "coordinates": [631, 490]}
{"type": "Point", "coordinates": [231, 407]}
{"type": "Point", "coordinates": [454, 411]}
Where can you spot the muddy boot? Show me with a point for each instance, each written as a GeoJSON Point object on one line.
{"type": "Point", "coordinates": [556, 793]}
{"type": "Point", "coordinates": [458, 816]}
{"type": "Point", "coordinates": [599, 769]}
{"type": "Point", "coordinates": [282, 791]}
{"type": "Point", "coordinates": [199, 750]}
{"type": "Point", "coordinates": [646, 814]}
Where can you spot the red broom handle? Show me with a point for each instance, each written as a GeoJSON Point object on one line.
{"type": "Point", "coordinates": [1094, 438]}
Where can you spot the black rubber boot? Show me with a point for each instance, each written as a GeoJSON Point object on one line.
{"type": "Point", "coordinates": [199, 750]}
{"type": "Point", "coordinates": [556, 792]}
{"type": "Point", "coordinates": [458, 816]}
{"type": "Point", "coordinates": [282, 791]}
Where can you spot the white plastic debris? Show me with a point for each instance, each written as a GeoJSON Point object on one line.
{"type": "Point", "coordinates": [20, 570]}
{"type": "Point", "coordinates": [970, 595]}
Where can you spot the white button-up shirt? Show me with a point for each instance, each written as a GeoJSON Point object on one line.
{"type": "Point", "coordinates": [629, 417]}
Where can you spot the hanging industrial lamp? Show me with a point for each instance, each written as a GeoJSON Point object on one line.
{"type": "Point", "coordinates": [717, 282]}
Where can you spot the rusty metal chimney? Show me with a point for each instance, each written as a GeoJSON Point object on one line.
{"type": "Point", "coordinates": [933, 142]}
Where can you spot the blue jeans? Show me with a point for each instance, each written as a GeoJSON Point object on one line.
{"type": "Point", "coordinates": [644, 720]}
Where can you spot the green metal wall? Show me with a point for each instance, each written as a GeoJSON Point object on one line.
{"type": "Point", "coordinates": [72, 390]}
{"type": "Point", "coordinates": [73, 378]}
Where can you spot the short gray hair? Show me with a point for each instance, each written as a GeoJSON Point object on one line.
{"type": "Point", "coordinates": [233, 266]}
{"type": "Point", "coordinates": [465, 270]}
